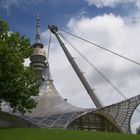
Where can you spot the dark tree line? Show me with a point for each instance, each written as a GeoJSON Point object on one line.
{"type": "Point", "coordinates": [138, 130]}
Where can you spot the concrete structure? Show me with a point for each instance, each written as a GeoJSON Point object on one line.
{"type": "Point", "coordinates": [53, 111]}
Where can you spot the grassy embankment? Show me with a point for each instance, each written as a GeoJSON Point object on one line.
{"type": "Point", "coordinates": [45, 134]}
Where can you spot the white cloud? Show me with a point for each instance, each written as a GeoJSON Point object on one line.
{"type": "Point", "coordinates": [108, 31]}
{"type": "Point", "coordinates": [112, 32]}
{"type": "Point", "coordinates": [18, 2]}
{"type": "Point", "coordinates": [135, 121]}
{"type": "Point", "coordinates": [7, 4]}
{"type": "Point", "coordinates": [26, 62]}
{"type": "Point", "coordinates": [113, 3]}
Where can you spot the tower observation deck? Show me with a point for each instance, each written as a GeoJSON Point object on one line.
{"type": "Point", "coordinates": [38, 56]}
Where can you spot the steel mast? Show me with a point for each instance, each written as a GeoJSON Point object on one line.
{"type": "Point", "coordinates": [79, 73]}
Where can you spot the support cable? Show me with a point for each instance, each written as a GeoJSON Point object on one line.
{"type": "Point", "coordinates": [49, 47]}
{"type": "Point", "coordinates": [126, 58]}
{"type": "Point", "coordinates": [94, 67]}
{"type": "Point", "coordinates": [73, 63]}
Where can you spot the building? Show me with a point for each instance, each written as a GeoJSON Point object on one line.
{"type": "Point", "coordinates": [53, 111]}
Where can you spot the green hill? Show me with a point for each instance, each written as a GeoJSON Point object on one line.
{"type": "Point", "coordinates": [53, 134]}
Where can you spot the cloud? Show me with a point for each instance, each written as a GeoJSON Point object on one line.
{"type": "Point", "coordinates": [112, 32]}
{"type": "Point", "coordinates": [7, 4]}
{"type": "Point", "coordinates": [135, 121]}
{"type": "Point", "coordinates": [113, 3]}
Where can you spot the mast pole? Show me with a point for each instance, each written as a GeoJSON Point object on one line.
{"type": "Point", "coordinates": [79, 73]}
{"type": "Point", "coordinates": [37, 29]}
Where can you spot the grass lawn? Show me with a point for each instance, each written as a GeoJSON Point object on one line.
{"type": "Point", "coordinates": [53, 134]}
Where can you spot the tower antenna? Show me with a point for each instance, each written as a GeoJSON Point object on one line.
{"type": "Point", "coordinates": [38, 40]}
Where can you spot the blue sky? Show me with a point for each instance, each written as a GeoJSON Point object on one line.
{"type": "Point", "coordinates": [114, 24]}
{"type": "Point", "coordinates": [21, 14]}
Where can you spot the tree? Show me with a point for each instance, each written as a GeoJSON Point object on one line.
{"type": "Point", "coordinates": [18, 84]}
{"type": "Point", "coordinates": [138, 130]}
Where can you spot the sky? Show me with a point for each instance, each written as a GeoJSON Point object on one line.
{"type": "Point", "coordinates": [113, 24]}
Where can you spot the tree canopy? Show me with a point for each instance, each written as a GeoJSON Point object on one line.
{"type": "Point", "coordinates": [138, 130]}
{"type": "Point", "coordinates": [18, 83]}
